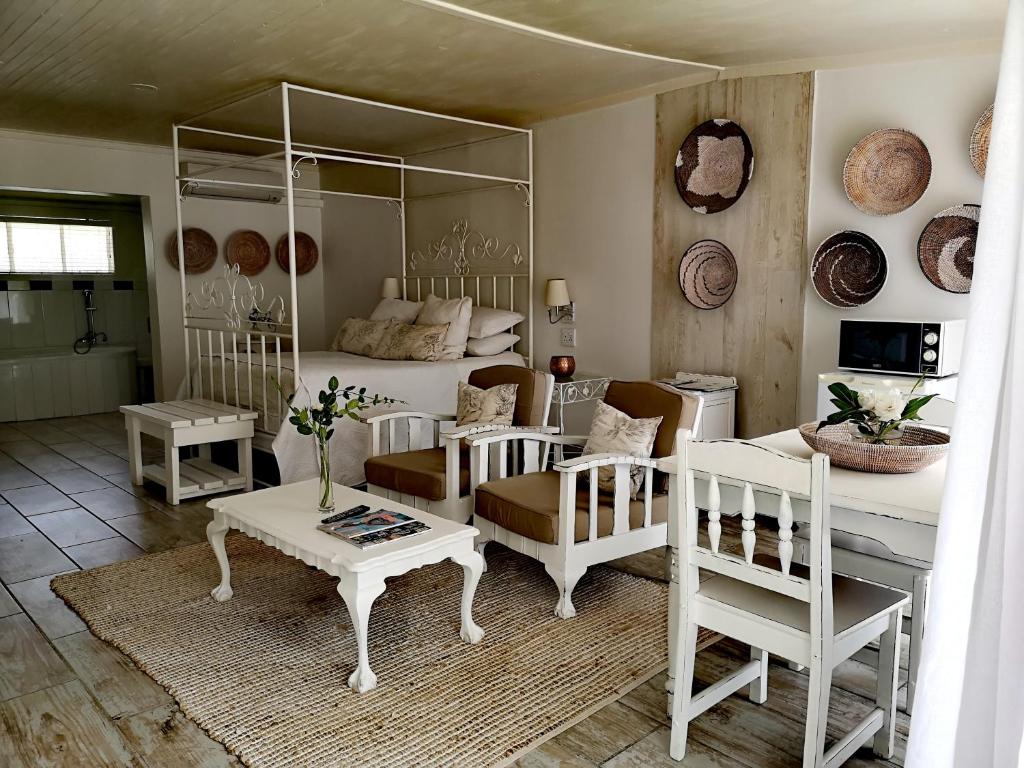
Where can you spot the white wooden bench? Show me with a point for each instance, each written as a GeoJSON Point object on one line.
{"type": "Point", "coordinates": [181, 423]}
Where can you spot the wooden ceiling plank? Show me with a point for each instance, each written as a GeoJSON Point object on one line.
{"type": "Point", "coordinates": [23, 52]}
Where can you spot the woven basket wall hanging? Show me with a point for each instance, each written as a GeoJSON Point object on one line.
{"type": "Point", "coordinates": [980, 137]}
{"type": "Point", "coordinates": [849, 269]}
{"type": "Point", "coordinates": [249, 250]}
{"type": "Point", "coordinates": [945, 249]}
{"type": "Point", "coordinates": [306, 253]}
{"type": "Point", "coordinates": [707, 274]}
{"type": "Point", "coordinates": [713, 166]}
{"type": "Point", "coordinates": [200, 250]}
{"type": "Point", "coordinates": [887, 171]}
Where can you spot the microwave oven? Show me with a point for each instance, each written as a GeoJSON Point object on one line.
{"type": "Point", "coordinates": [901, 347]}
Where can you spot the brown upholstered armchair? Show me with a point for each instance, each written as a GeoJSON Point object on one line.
{"type": "Point", "coordinates": [417, 462]}
{"type": "Point", "coordinates": [544, 514]}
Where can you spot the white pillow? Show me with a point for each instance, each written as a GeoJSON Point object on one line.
{"type": "Point", "coordinates": [496, 405]}
{"type": "Point", "coordinates": [612, 431]}
{"type": "Point", "coordinates": [487, 321]}
{"type": "Point", "coordinates": [492, 345]}
{"type": "Point", "coordinates": [398, 310]}
{"type": "Point", "coordinates": [455, 312]}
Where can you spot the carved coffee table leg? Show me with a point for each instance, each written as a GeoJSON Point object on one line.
{"type": "Point", "coordinates": [359, 591]}
{"type": "Point", "coordinates": [472, 566]}
{"type": "Point", "coordinates": [215, 533]}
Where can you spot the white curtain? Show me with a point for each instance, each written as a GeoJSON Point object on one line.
{"type": "Point", "coordinates": [970, 707]}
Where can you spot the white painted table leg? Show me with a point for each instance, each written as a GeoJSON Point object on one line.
{"type": "Point", "coordinates": [134, 449]}
{"type": "Point", "coordinates": [245, 461]}
{"type": "Point", "coordinates": [215, 532]}
{"type": "Point", "coordinates": [472, 566]}
{"type": "Point", "coordinates": [172, 473]}
{"type": "Point", "coordinates": [359, 591]}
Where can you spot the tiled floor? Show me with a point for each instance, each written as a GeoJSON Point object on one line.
{"type": "Point", "coordinates": [69, 699]}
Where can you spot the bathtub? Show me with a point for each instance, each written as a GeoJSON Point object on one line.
{"type": "Point", "coordinates": [47, 382]}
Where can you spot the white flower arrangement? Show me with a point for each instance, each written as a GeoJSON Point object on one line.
{"type": "Point", "coordinates": [876, 415]}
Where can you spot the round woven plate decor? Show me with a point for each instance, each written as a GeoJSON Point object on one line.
{"type": "Point", "coordinates": [707, 274]}
{"type": "Point", "coordinates": [887, 171]}
{"type": "Point", "coordinates": [980, 137]}
{"type": "Point", "coordinates": [849, 269]}
{"type": "Point", "coordinates": [306, 253]}
{"type": "Point", "coordinates": [249, 250]}
{"type": "Point", "coordinates": [918, 448]}
{"type": "Point", "coordinates": [945, 249]}
{"type": "Point", "coordinates": [713, 166]}
{"type": "Point", "coordinates": [200, 250]}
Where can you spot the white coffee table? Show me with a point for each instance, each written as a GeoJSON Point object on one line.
{"type": "Point", "coordinates": [286, 518]}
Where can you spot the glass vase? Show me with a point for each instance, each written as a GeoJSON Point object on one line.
{"type": "Point", "coordinates": [323, 457]}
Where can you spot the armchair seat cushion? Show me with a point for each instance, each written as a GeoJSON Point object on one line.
{"type": "Point", "coordinates": [528, 505]}
{"type": "Point", "coordinates": [417, 473]}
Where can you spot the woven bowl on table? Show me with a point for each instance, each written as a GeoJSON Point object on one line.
{"type": "Point", "coordinates": [917, 449]}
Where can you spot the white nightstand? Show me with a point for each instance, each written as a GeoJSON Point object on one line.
{"type": "Point", "coordinates": [718, 421]}
{"type": "Point", "coordinates": [578, 389]}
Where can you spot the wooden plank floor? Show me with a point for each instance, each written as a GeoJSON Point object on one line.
{"type": "Point", "coordinates": [69, 699]}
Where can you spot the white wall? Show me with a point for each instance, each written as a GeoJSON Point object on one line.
{"type": "Point", "coordinates": [940, 102]}
{"type": "Point", "coordinates": [594, 178]}
{"type": "Point", "coordinates": [362, 245]}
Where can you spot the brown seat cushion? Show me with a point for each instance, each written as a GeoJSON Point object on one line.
{"type": "Point", "coordinates": [531, 394]}
{"type": "Point", "coordinates": [528, 505]}
{"type": "Point", "coordinates": [417, 473]}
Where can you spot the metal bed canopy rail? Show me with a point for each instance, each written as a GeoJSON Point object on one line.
{"type": "Point", "coordinates": [291, 153]}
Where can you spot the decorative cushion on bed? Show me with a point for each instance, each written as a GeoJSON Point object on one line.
{"type": "Point", "coordinates": [487, 321]}
{"type": "Point", "coordinates": [495, 405]}
{"type": "Point", "coordinates": [455, 312]}
{"type": "Point", "coordinates": [412, 342]}
{"type": "Point", "coordinates": [399, 310]}
{"type": "Point", "coordinates": [492, 345]}
{"type": "Point", "coordinates": [612, 431]}
{"type": "Point", "coordinates": [360, 337]}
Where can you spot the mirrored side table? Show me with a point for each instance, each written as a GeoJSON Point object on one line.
{"type": "Point", "coordinates": [580, 388]}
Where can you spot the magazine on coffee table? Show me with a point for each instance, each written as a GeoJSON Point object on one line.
{"type": "Point", "coordinates": [373, 528]}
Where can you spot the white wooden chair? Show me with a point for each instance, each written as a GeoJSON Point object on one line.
{"type": "Point", "coordinates": [806, 615]}
{"type": "Point", "coordinates": [868, 559]}
{"type": "Point", "coordinates": [542, 512]}
{"type": "Point", "coordinates": [417, 459]}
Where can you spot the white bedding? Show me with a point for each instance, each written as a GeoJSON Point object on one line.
{"type": "Point", "coordinates": [424, 386]}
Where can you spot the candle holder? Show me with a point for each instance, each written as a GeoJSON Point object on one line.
{"type": "Point", "coordinates": [563, 367]}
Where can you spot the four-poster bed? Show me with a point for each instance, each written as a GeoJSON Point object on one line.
{"type": "Point", "coordinates": [242, 345]}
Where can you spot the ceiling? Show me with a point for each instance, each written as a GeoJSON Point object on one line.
{"type": "Point", "coordinates": [67, 66]}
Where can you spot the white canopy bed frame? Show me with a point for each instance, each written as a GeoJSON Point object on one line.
{"type": "Point", "coordinates": [233, 332]}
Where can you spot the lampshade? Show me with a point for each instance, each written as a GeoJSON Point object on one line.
{"type": "Point", "coordinates": [556, 293]}
{"type": "Point", "coordinates": [389, 288]}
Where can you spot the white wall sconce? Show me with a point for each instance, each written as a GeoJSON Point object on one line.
{"type": "Point", "coordinates": [560, 306]}
{"type": "Point", "coordinates": [390, 289]}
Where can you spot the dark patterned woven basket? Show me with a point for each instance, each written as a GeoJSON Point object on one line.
{"type": "Point", "coordinates": [713, 166]}
{"type": "Point", "coordinates": [306, 253]}
{"type": "Point", "coordinates": [945, 249]}
{"type": "Point", "coordinates": [887, 171]}
{"type": "Point", "coordinates": [917, 449]}
{"type": "Point", "coordinates": [849, 269]}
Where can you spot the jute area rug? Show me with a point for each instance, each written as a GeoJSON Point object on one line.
{"type": "Point", "coordinates": [265, 672]}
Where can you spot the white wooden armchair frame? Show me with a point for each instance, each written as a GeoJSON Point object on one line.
{"type": "Point", "coordinates": [567, 560]}
{"type": "Point", "coordinates": [425, 430]}
{"type": "Point", "coordinates": [756, 602]}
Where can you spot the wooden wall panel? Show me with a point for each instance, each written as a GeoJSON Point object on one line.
{"type": "Point", "coordinates": [757, 335]}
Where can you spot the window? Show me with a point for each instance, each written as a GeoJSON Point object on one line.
{"type": "Point", "coordinates": [37, 247]}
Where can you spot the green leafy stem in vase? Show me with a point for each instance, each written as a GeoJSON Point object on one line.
{"type": "Point", "coordinates": [878, 415]}
{"type": "Point", "coordinates": [318, 421]}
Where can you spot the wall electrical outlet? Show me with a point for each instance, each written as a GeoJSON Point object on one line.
{"type": "Point", "coordinates": [568, 337]}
